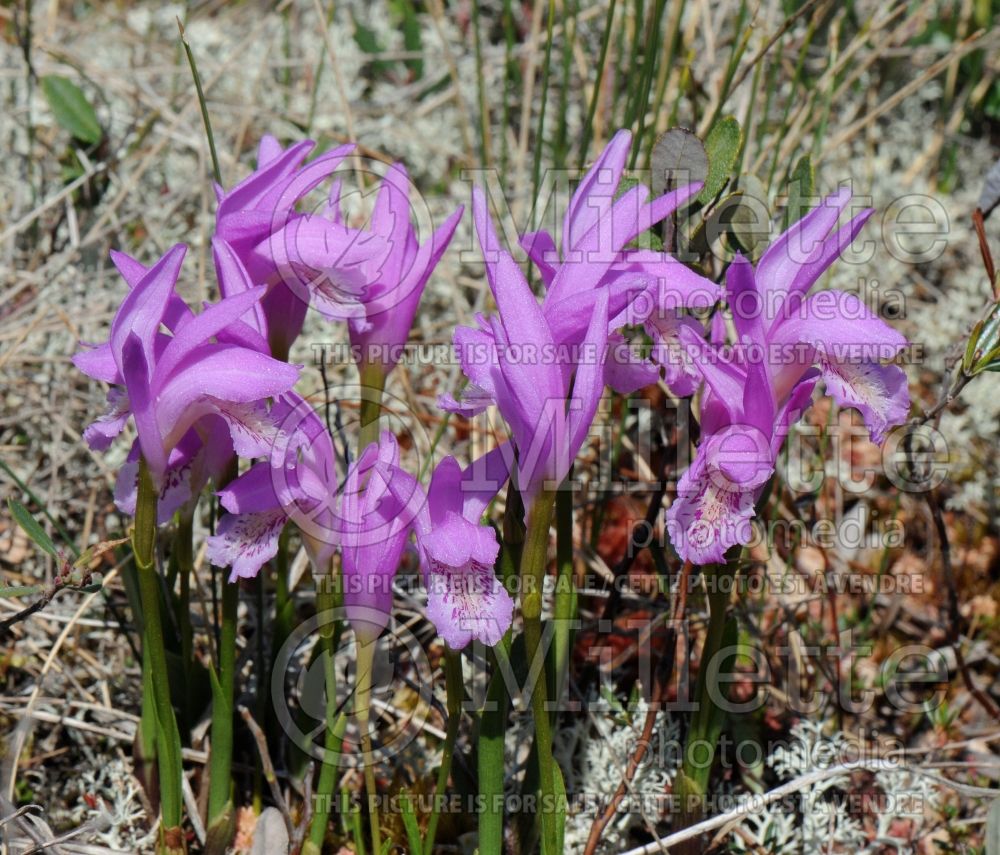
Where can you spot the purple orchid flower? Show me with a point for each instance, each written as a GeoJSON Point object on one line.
{"type": "Point", "coordinates": [641, 286]}
{"type": "Point", "coordinates": [379, 504]}
{"type": "Point", "coordinates": [184, 381]}
{"type": "Point", "coordinates": [373, 278]}
{"type": "Point", "coordinates": [465, 599]}
{"type": "Point", "coordinates": [512, 361]}
{"type": "Point", "coordinates": [296, 483]}
{"type": "Point", "coordinates": [646, 286]}
{"type": "Point", "coordinates": [742, 432]}
{"type": "Point", "coordinates": [788, 341]}
{"type": "Point", "coordinates": [391, 299]}
{"type": "Point", "coordinates": [263, 205]}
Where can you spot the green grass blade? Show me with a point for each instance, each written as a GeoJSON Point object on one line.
{"type": "Point", "coordinates": [216, 171]}
{"type": "Point", "coordinates": [31, 527]}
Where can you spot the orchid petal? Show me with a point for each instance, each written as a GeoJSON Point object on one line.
{"type": "Point", "coordinates": [252, 493]}
{"type": "Point", "coordinates": [745, 301]}
{"type": "Point", "coordinates": [840, 327]}
{"type": "Point", "coordinates": [143, 309]}
{"type": "Point", "coordinates": [879, 392]}
{"type": "Point", "coordinates": [209, 323]}
{"type": "Point", "coordinates": [234, 279]}
{"type": "Point", "coordinates": [100, 434]}
{"type": "Point", "coordinates": [705, 520]}
{"type": "Point", "coordinates": [268, 150]}
{"type": "Point", "coordinates": [137, 383]}
{"type": "Point", "coordinates": [626, 370]}
{"type": "Point", "coordinates": [488, 241]}
{"type": "Point", "coordinates": [99, 363]}
{"type": "Point", "coordinates": [588, 387]}
{"type": "Point", "coordinates": [783, 259]}
{"type": "Point", "coordinates": [826, 254]}
{"type": "Point", "coordinates": [541, 249]}
{"type": "Point", "coordinates": [465, 600]}
{"type": "Point", "coordinates": [596, 192]}
{"type": "Point", "coordinates": [245, 542]}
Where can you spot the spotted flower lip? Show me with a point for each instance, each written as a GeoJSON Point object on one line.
{"type": "Point", "coordinates": [174, 382]}
{"type": "Point", "coordinates": [465, 599]}
{"type": "Point", "coordinates": [297, 483]}
{"type": "Point", "coordinates": [787, 342]}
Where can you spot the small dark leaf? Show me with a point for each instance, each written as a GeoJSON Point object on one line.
{"type": "Point", "coordinates": [366, 39]}
{"type": "Point", "coordinates": [722, 145]}
{"type": "Point", "coordinates": [71, 108]}
{"type": "Point", "coordinates": [678, 160]}
{"type": "Point", "coordinates": [31, 527]}
{"type": "Point", "coordinates": [990, 197]}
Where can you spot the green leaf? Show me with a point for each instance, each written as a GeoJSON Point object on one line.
{"type": "Point", "coordinates": [31, 527]}
{"type": "Point", "coordinates": [722, 145]}
{"type": "Point", "coordinates": [71, 108]}
{"type": "Point", "coordinates": [354, 820]}
{"type": "Point", "coordinates": [801, 186]}
{"type": "Point", "coordinates": [20, 591]}
{"type": "Point", "coordinates": [560, 808]}
{"type": "Point", "coordinates": [366, 39]}
{"type": "Point", "coordinates": [412, 38]}
{"type": "Point", "coordinates": [492, 730]}
{"type": "Point", "coordinates": [410, 823]}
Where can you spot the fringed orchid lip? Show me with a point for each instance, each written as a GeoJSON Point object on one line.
{"type": "Point", "coordinates": [465, 599]}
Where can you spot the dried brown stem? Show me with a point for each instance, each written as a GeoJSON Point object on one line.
{"type": "Point", "coordinates": [954, 615]}
{"type": "Point", "coordinates": [978, 220]}
{"type": "Point", "coordinates": [268, 768]}
{"type": "Point", "coordinates": [662, 679]}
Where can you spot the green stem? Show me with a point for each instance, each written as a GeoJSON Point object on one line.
{"type": "Point", "coordinates": [261, 668]}
{"type": "Point", "coordinates": [372, 386]}
{"type": "Point", "coordinates": [706, 724]}
{"type": "Point", "coordinates": [485, 155]}
{"type": "Point", "coordinates": [168, 740]}
{"type": "Point", "coordinates": [533, 562]}
{"type": "Point", "coordinates": [536, 171]}
{"type": "Point", "coordinates": [220, 807]}
{"type": "Point", "coordinates": [184, 561]}
{"type": "Point", "coordinates": [588, 125]}
{"type": "Point", "coordinates": [327, 601]}
{"type": "Point", "coordinates": [146, 741]}
{"type": "Point", "coordinates": [284, 613]}
{"type": "Point", "coordinates": [493, 721]}
{"type": "Point", "coordinates": [456, 692]}
{"type": "Point", "coordinates": [565, 596]}
{"type": "Point", "coordinates": [362, 711]}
